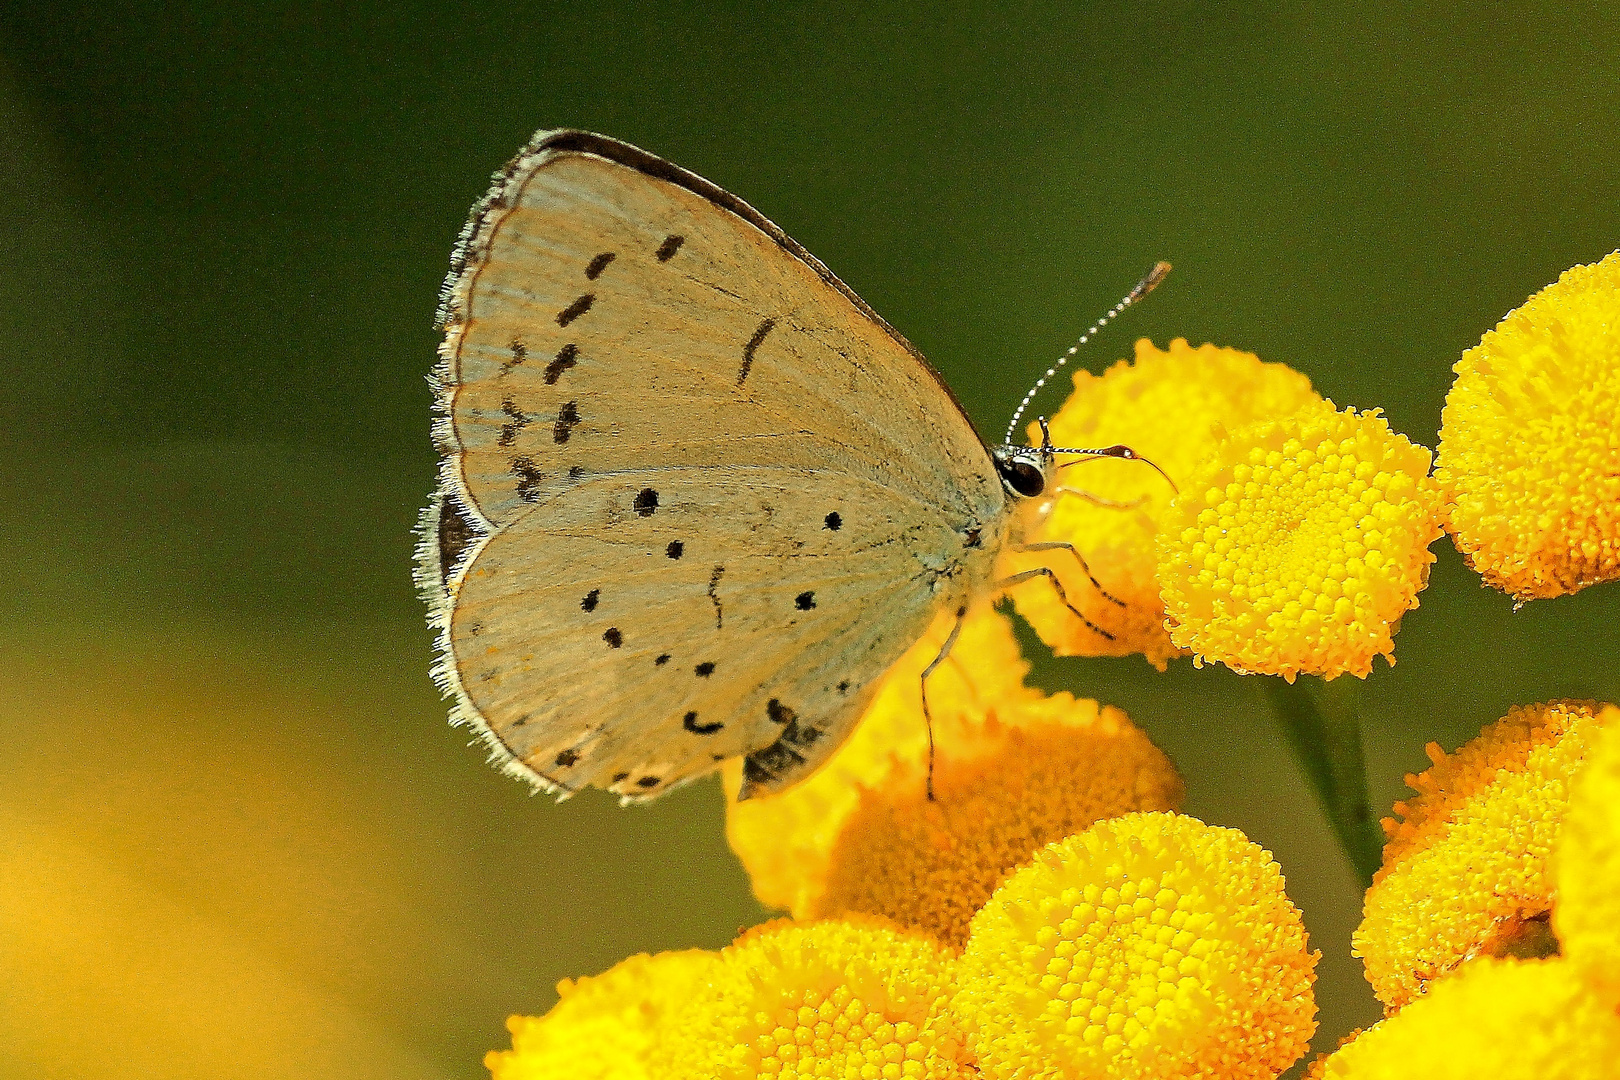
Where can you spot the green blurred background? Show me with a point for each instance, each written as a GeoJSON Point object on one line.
{"type": "Point", "coordinates": [237, 838]}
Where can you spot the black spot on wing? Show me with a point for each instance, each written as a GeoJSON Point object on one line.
{"type": "Point", "coordinates": [529, 478]}
{"type": "Point", "coordinates": [567, 420]}
{"type": "Point", "coordinates": [778, 712]}
{"type": "Point", "coordinates": [666, 251]}
{"type": "Point", "coordinates": [675, 550]}
{"type": "Point", "coordinates": [566, 357]}
{"type": "Point", "coordinates": [753, 344]}
{"type": "Point", "coordinates": [765, 766]}
{"type": "Point", "coordinates": [843, 687]}
{"type": "Point", "coordinates": [519, 354]}
{"type": "Point", "coordinates": [598, 264]}
{"type": "Point", "coordinates": [834, 522]}
{"type": "Point", "coordinates": [663, 658]}
{"type": "Point", "coordinates": [576, 309]}
{"type": "Point", "coordinates": [704, 669]}
{"type": "Point", "coordinates": [516, 423]}
{"type": "Point", "coordinates": [646, 502]}
{"type": "Point", "coordinates": [689, 722]}
{"type": "Point", "coordinates": [566, 758]}
{"type": "Point", "coordinates": [648, 782]}
{"type": "Point", "coordinates": [589, 603]}
{"type": "Point", "coordinates": [575, 472]}
{"type": "Point", "coordinates": [612, 636]}
{"type": "Point", "coordinates": [714, 596]}
{"type": "Point", "coordinates": [805, 600]}
{"type": "Point", "coordinates": [620, 777]}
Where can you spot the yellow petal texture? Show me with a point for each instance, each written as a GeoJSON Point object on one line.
{"type": "Point", "coordinates": [838, 998]}
{"type": "Point", "coordinates": [1298, 545]}
{"type": "Point", "coordinates": [786, 840]}
{"type": "Point", "coordinates": [1038, 770]}
{"type": "Point", "coordinates": [1468, 869]}
{"type": "Point", "coordinates": [1493, 1020]}
{"type": "Point", "coordinates": [1587, 865]}
{"type": "Point", "coordinates": [1165, 405]}
{"type": "Point", "coordinates": [1148, 946]}
{"type": "Point", "coordinates": [605, 1026]}
{"type": "Point", "coordinates": [1529, 444]}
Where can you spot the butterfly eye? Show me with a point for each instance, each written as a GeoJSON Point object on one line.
{"type": "Point", "coordinates": [1023, 478]}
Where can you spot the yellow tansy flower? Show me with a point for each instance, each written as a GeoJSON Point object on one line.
{"type": "Point", "coordinates": [1041, 769]}
{"type": "Point", "coordinates": [1165, 405]}
{"type": "Point", "coordinates": [607, 1026]}
{"type": "Point", "coordinates": [786, 840]}
{"type": "Point", "coordinates": [1587, 865]}
{"type": "Point", "coordinates": [1298, 545]}
{"type": "Point", "coordinates": [846, 998]}
{"type": "Point", "coordinates": [1529, 441]}
{"type": "Point", "coordinates": [1151, 945]}
{"type": "Point", "coordinates": [1014, 769]}
{"type": "Point", "coordinates": [1501, 1019]}
{"type": "Point", "coordinates": [1468, 869]}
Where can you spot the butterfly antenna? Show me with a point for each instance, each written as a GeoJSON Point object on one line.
{"type": "Point", "coordinates": [1088, 453]}
{"type": "Point", "coordinates": [1141, 289]}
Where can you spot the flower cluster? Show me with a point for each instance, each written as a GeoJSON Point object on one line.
{"type": "Point", "coordinates": [1151, 945]}
{"type": "Point", "coordinates": [1468, 871]}
{"type": "Point", "coordinates": [1539, 788]}
{"type": "Point", "coordinates": [1014, 895]}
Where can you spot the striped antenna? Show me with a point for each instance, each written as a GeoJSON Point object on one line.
{"type": "Point", "coordinates": [1141, 289]}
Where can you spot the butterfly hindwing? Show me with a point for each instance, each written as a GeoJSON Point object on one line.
{"type": "Point", "coordinates": [665, 424]}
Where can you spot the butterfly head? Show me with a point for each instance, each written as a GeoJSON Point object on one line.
{"type": "Point", "coordinates": [1023, 469]}
{"type": "Point", "coordinates": [1026, 471]}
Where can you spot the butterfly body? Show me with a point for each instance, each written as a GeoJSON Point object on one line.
{"type": "Point", "coordinates": [695, 496]}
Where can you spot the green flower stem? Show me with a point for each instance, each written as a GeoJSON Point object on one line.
{"type": "Point", "coordinates": [1323, 724]}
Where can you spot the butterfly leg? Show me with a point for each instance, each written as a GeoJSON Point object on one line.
{"type": "Point", "coordinates": [1057, 545]}
{"type": "Point", "coordinates": [928, 717]}
{"type": "Point", "coordinates": [1047, 573]}
{"type": "Point", "coordinates": [1098, 500]}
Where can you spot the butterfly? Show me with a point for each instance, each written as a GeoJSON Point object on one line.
{"type": "Point", "coordinates": [695, 496]}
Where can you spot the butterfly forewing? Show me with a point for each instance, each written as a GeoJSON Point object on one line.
{"type": "Point", "coordinates": [709, 496]}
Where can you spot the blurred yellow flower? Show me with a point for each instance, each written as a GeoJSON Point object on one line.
{"type": "Point", "coordinates": [1165, 405]}
{"type": "Point", "coordinates": [1467, 872]}
{"type": "Point", "coordinates": [1499, 1019]}
{"type": "Point", "coordinates": [1151, 945]}
{"type": "Point", "coordinates": [1586, 864]}
{"type": "Point", "coordinates": [606, 1027]}
{"type": "Point", "coordinates": [1298, 545]}
{"type": "Point", "coordinates": [786, 840]}
{"type": "Point", "coordinates": [839, 998]}
{"type": "Point", "coordinates": [1529, 445]}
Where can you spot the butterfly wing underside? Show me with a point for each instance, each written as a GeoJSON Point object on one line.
{"type": "Point", "coordinates": [695, 496]}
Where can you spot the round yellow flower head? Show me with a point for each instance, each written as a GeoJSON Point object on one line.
{"type": "Point", "coordinates": [1501, 1019]}
{"type": "Point", "coordinates": [1038, 770]}
{"type": "Point", "coordinates": [1149, 946]}
{"type": "Point", "coordinates": [1529, 444]}
{"type": "Point", "coordinates": [1587, 864]}
{"type": "Point", "coordinates": [1298, 545]}
{"type": "Point", "coordinates": [1165, 405]}
{"type": "Point", "coordinates": [605, 1026]}
{"type": "Point", "coordinates": [846, 998]}
{"type": "Point", "coordinates": [786, 840]}
{"type": "Point", "coordinates": [1467, 872]}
